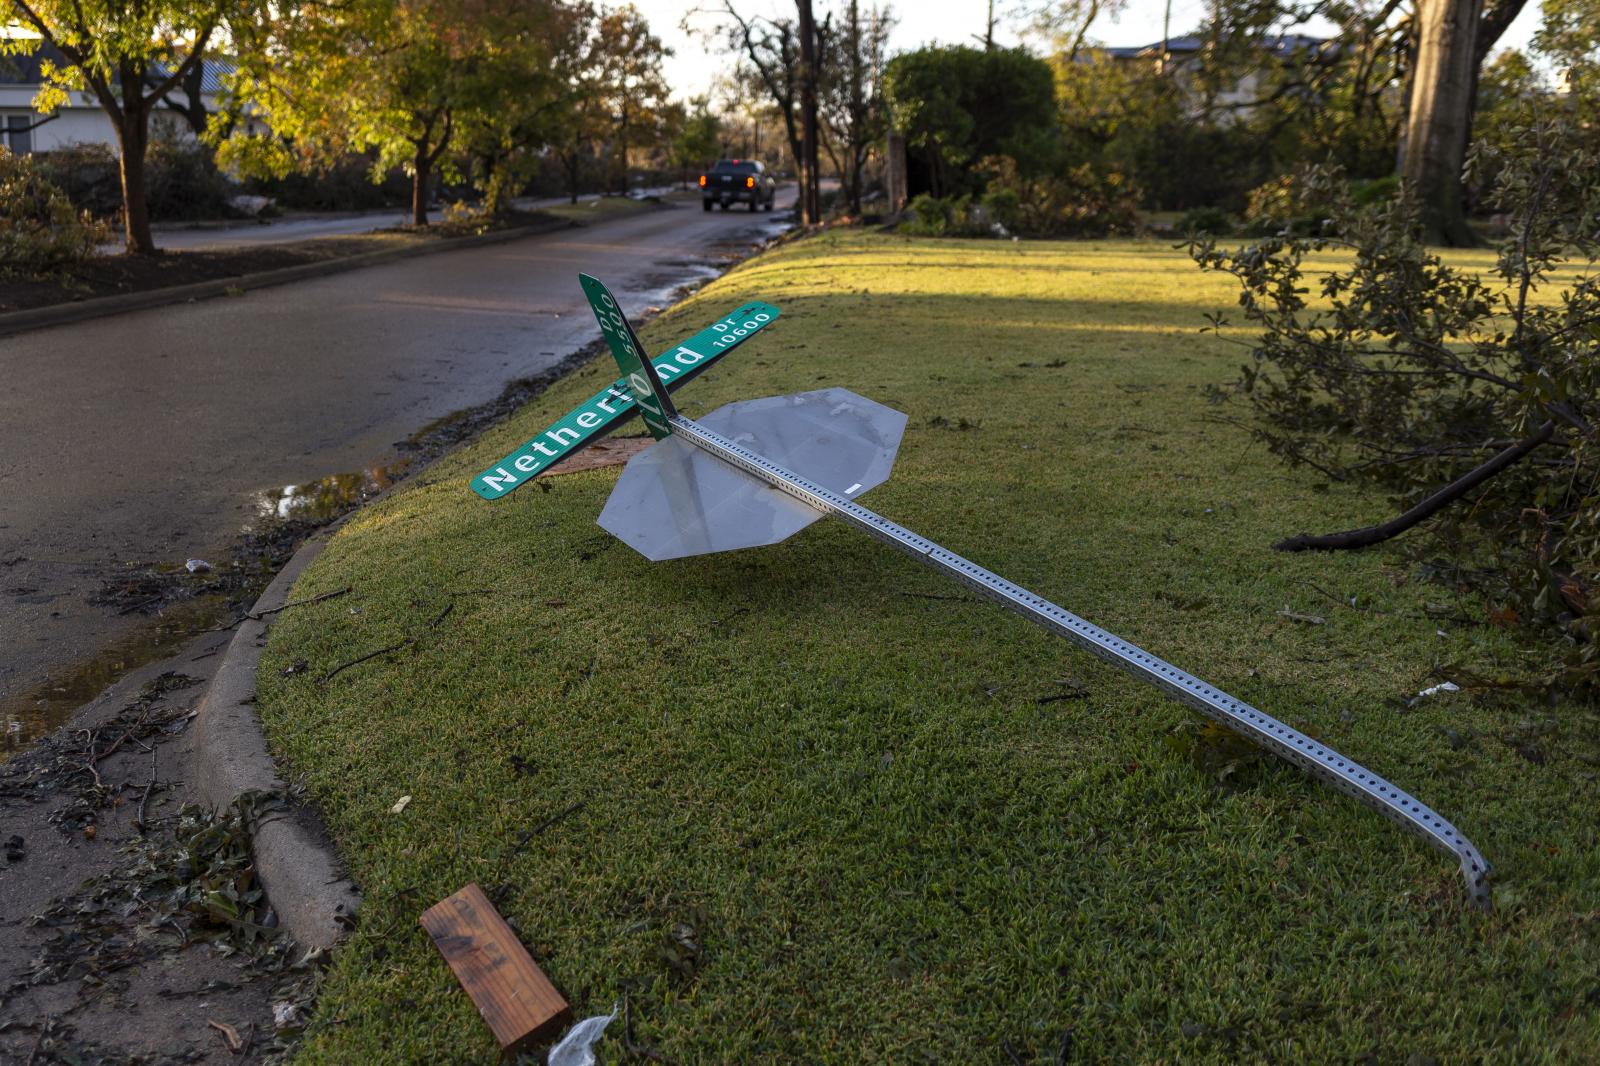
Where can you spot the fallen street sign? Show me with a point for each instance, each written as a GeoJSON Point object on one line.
{"type": "Point", "coordinates": [609, 408]}
{"type": "Point", "coordinates": [757, 471]}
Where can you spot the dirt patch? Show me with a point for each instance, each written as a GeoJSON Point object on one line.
{"type": "Point", "coordinates": [115, 275]}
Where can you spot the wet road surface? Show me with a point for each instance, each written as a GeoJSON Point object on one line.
{"type": "Point", "coordinates": [155, 437]}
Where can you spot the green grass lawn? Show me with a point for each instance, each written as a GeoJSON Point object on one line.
{"type": "Point", "coordinates": [829, 812]}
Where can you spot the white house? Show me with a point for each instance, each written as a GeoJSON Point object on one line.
{"type": "Point", "coordinates": [1180, 58]}
{"type": "Point", "coordinates": [81, 120]}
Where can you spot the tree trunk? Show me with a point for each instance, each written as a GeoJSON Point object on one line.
{"type": "Point", "coordinates": [622, 153]}
{"type": "Point", "coordinates": [858, 110]}
{"type": "Point", "coordinates": [1439, 116]}
{"type": "Point", "coordinates": [420, 168]}
{"type": "Point", "coordinates": [133, 137]}
{"type": "Point", "coordinates": [810, 193]}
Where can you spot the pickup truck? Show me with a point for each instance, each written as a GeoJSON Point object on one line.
{"type": "Point", "coordinates": [738, 181]}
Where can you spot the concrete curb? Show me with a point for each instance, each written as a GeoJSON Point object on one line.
{"type": "Point", "coordinates": [298, 867]}
{"type": "Point", "coordinates": [65, 313]}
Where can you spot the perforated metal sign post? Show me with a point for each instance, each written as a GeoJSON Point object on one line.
{"type": "Point", "coordinates": [714, 484]}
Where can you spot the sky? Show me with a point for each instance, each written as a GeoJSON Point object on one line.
{"type": "Point", "coordinates": [922, 22]}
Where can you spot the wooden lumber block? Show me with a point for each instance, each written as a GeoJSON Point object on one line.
{"type": "Point", "coordinates": [513, 995]}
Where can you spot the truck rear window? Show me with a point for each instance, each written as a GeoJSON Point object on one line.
{"type": "Point", "coordinates": [725, 167]}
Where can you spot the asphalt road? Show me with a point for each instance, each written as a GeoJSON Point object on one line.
{"type": "Point", "coordinates": [155, 437]}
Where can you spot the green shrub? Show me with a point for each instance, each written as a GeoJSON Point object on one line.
{"type": "Point", "coordinates": [182, 182]}
{"type": "Point", "coordinates": [1473, 397]}
{"type": "Point", "coordinates": [932, 216]}
{"type": "Point", "coordinates": [41, 233]}
{"type": "Point", "coordinates": [1210, 221]}
{"type": "Point", "coordinates": [1288, 204]}
{"type": "Point", "coordinates": [346, 186]}
{"type": "Point", "coordinates": [1375, 190]}
{"type": "Point", "coordinates": [88, 174]}
{"type": "Point", "coordinates": [1080, 202]}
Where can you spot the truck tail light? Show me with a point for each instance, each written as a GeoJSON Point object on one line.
{"type": "Point", "coordinates": [749, 183]}
{"type": "Point", "coordinates": [702, 181]}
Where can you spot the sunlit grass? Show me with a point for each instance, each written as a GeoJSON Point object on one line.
{"type": "Point", "coordinates": [892, 842]}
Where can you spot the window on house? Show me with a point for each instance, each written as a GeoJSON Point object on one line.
{"type": "Point", "coordinates": [18, 134]}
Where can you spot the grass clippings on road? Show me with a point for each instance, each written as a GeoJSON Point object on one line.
{"type": "Point", "coordinates": [604, 207]}
{"type": "Point", "coordinates": [823, 806]}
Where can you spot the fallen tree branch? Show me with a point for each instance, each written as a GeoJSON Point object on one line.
{"type": "Point", "coordinates": [408, 642]}
{"type": "Point", "coordinates": [1370, 535]}
{"type": "Point", "coordinates": [256, 616]}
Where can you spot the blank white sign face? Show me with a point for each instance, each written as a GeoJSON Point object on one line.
{"type": "Point", "coordinates": [675, 500]}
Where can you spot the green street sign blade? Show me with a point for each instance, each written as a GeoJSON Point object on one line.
{"type": "Point", "coordinates": [609, 408]}
{"type": "Point", "coordinates": [654, 405]}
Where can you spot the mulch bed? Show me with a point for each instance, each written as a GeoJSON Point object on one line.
{"type": "Point", "coordinates": [112, 275]}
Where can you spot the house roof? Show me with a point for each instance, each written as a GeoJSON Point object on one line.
{"type": "Point", "coordinates": [1190, 43]}
{"type": "Point", "coordinates": [25, 69]}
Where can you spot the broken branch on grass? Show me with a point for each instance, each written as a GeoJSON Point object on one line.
{"type": "Point", "coordinates": [1370, 535]}
{"type": "Point", "coordinates": [408, 642]}
{"type": "Point", "coordinates": [256, 616]}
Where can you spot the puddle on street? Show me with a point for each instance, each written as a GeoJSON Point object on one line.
{"type": "Point", "coordinates": [176, 611]}
{"type": "Point", "coordinates": [327, 498]}
{"type": "Point", "coordinates": [26, 716]}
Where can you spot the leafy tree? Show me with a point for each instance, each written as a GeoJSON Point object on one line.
{"type": "Point", "coordinates": [1422, 55]}
{"type": "Point", "coordinates": [129, 55]}
{"type": "Point", "coordinates": [958, 105]}
{"type": "Point", "coordinates": [616, 96]}
{"type": "Point", "coordinates": [699, 137]}
{"type": "Point", "coordinates": [1068, 22]}
{"type": "Point", "coordinates": [852, 94]}
{"type": "Point", "coordinates": [402, 78]}
{"type": "Point", "coordinates": [529, 90]}
{"type": "Point", "coordinates": [1569, 38]}
{"type": "Point", "coordinates": [627, 60]}
{"type": "Point", "coordinates": [1446, 386]}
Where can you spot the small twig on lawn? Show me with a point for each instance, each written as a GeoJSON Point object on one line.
{"type": "Point", "coordinates": [644, 1051]}
{"type": "Point", "coordinates": [140, 606]}
{"type": "Point", "coordinates": [408, 642]}
{"type": "Point", "coordinates": [1296, 616]}
{"type": "Point", "coordinates": [936, 596]}
{"type": "Point", "coordinates": [256, 616]}
{"type": "Point", "coordinates": [331, 674]}
{"type": "Point", "coordinates": [527, 835]}
{"type": "Point", "coordinates": [1342, 603]}
{"type": "Point", "coordinates": [144, 801]}
{"type": "Point", "coordinates": [1011, 1053]}
{"type": "Point", "coordinates": [1425, 616]}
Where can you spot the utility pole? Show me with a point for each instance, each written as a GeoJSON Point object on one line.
{"type": "Point", "coordinates": [1166, 37]}
{"type": "Point", "coordinates": [810, 189]}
